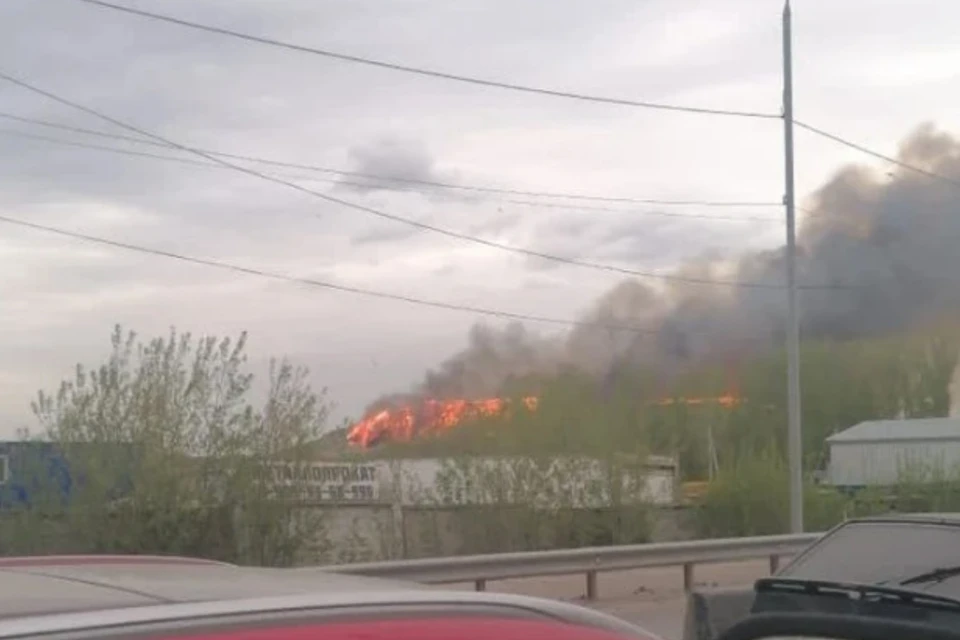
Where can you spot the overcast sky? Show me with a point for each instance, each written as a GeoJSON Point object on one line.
{"type": "Point", "coordinates": [870, 70]}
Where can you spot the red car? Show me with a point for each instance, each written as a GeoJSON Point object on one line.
{"type": "Point", "coordinates": [68, 597]}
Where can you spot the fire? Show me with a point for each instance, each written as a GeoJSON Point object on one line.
{"type": "Point", "coordinates": [431, 416]}
{"type": "Point", "coordinates": [437, 416]}
{"type": "Point", "coordinates": [727, 402]}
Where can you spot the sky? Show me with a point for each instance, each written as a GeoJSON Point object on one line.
{"type": "Point", "coordinates": [869, 70]}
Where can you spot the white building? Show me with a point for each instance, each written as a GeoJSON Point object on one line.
{"type": "Point", "coordinates": [575, 482]}
{"type": "Point", "coordinates": [884, 452]}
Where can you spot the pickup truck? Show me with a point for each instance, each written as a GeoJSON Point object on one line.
{"type": "Point", "coordinates": [915, 551]}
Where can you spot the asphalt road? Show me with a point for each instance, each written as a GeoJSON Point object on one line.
{"type": "Point", "coordinates": [652, 598]}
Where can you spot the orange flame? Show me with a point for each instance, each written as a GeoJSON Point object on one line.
{"type": "Point", "coordinates": [431, 416]}
{"type": "Point", "coordinates": [727, 402]}
{"type": "Point", "coordinates": [437, 416]}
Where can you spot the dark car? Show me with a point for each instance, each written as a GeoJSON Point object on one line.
{"type": "Point", "coordinates": [912, 551]}
{"type": "Point", "coordinates": [160, 597]}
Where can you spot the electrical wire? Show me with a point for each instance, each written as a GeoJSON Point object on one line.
{"type": "Point", "coordinates": [876, 154]}
{"type": "Point", "coordinates": [427, 183]}
{"type": "Point", "coordinates": [407, 221]}
{"type": "Point", "coordinates": [429, 72]}
{"type": "Point", "coordinates": [156, 156]}
{"type": "Point", "coordinates": [666, 214]}
{"type": "Point", "coordinates": [312, 282]}
{"type": "Point", "coordinates": [380, 186]}
{"type": "Point", "coordinates": [96, 147]}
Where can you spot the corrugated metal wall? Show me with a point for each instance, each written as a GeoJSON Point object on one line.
{"type": "Point", "coordinates": [860, 464]}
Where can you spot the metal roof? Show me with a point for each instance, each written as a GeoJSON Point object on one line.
{"type": "Point", "coordinates": [900, 430]}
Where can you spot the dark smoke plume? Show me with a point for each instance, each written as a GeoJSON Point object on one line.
{"type": "Point", "coordinates": [889, 236]}
{"type": "Point", "coordinates": [491, 360]}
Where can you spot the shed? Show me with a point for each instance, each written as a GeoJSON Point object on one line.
{"type": "Point", "coordinates": [884, 452]}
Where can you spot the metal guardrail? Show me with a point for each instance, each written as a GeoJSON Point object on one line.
{"type": "Point", "coordinates": [589, 561]}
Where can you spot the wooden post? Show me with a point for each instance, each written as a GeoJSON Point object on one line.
{"type": "Point", "coordinates": [774, 564]}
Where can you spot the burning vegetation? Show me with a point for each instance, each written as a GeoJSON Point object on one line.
{"type": "Point", "coordinates": [728, 401]}
{"type": "Point", "coordinates": [434, 417]}
{"type": "Point", "coordinates": [429, 417]}
{"type": "Point", "coordinates": [875, 249]}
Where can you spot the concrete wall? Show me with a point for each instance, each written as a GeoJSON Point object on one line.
{"type": "Point", "coordinates": [673, 524]}
{"type": "Point", "coordinates": [383, 531]}
{"type": "Point", "coordinates": [391, 509]}
{"type": "Point", "coordinates": [358, 533]}
{"type": "Point", "coordinates": [551, 483]}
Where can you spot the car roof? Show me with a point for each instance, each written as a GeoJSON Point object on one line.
{"type": "Point", "coordinates": [53, 594]}
{"type": "Point", "coordinates": [45, 585]}
{"type": "Point", "coordinates": [925, 518]}
{"type": "Point", "coordinates": [263, 610]}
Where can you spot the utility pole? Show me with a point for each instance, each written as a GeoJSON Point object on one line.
{"type": "Point", "coordinates": [794, 439]}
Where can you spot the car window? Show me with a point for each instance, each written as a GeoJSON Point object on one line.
{"type": "Point", "coordinates": [874, 552]}
{"type": "Point", "coordinates": [444, 628]}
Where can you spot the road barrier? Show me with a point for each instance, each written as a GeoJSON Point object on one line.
{"type": "Point", "coordinates": [589, 561]}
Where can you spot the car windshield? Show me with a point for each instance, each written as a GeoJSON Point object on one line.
{"type": "Point", "coordinates": [881, 553]}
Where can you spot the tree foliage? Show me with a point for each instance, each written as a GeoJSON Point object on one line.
{"type": "Point", "coordinates": [751, 498]}
{"type": "Point", "coordinates": [167, 453]}
{"type": "Point", "coordinates": [843, 383]}
{"type": "Point", "coordinates": [569, 473]}
{"type": "Point", "coordinates": [575, 415]}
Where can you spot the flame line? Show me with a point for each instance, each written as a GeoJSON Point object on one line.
{"type": "Point", "coordinates": [401, 424]}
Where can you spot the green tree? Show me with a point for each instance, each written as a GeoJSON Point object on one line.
{"type": "Point", "coordinates": [568, 473]}
{"type": "Point", "coordinates": [168, 454]}
{"type": "Point", "coordinates": [750, 498]}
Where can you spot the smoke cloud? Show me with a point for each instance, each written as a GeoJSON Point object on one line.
{"type": "Point", "coordinates": [408, 162]}
{"type": "Point", "coordinates": [492, 359]}
{"type": "Point", "coordinates": [887, 236]}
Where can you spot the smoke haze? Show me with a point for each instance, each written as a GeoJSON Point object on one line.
{"type": "Point", "coordinates": [887, 236]}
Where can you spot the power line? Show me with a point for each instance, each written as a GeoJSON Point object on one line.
{"type": "Point", "coordinates": [667, 214]}
{"type": "Point", "coordinates": [876, 154]}
{"type": "Point", "coordinates": [157, 156]}
{"type": "Point", "coordinates": [226, 266]}
{"type": "Point", "coordinates": [429, 72]}
{"type": "Point", "coordinates": [97, 147]}
{"type": "Point", "coordinates": [373, 185]}
{"type": "Point", "coordinates": [413, 223]}
{"type": "Point", "coordinates": [402, 180]}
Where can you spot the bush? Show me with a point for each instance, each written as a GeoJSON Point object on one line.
{"type": "Point", "coordinates": [526, 504]}
{"type": "Point", "coordinates": [751, 498]}
{"type": "Point", "coordinates": [162, 452]}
